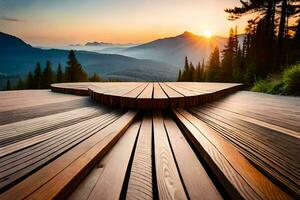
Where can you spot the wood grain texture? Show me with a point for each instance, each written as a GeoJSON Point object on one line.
{"type": "Point", "coordinates": [167, 176]}
{"type": "Point", "coordinates": [272, 147]}
{"type": "Point", "coordinates": [140, 185]}
{"type": "Point", "coordinates": [61, 175]}
{"type": "Point", "coordinates": [238, 176]}
{"type": "Point", "coordinates": [197, 182]}
{"type": "Point", "coordinates": [149, 95]}
{"type": "Point", "coordinates": [109, 185]}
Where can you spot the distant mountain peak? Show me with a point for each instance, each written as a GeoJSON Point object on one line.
{"type": "Point", "coordinates": [98, 44]}
{"type": "Point", "coordinates": [187, 33]}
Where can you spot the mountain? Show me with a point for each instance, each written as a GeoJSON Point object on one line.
{"type": "Point", "coordinates": [172, 50]}
{"type": "Point", "coordinates": [18, 57]}
{"type": "Point", "coordinates": [98, 44]}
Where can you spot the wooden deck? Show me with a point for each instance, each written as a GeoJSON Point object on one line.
{"type": "Point", "coordinates": [243, 146]}
{"type": "Point", "coordinates": [158, 95]}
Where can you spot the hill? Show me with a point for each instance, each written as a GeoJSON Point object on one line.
{"type": "Point", "coordinates": [18, 57]}
{"type": "Point", "coordinates": [173, 49]}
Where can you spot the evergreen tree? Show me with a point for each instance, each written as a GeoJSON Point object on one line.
{"type": "Point", "coordinates": [228, 58]}
{"type": "Point", "coordinates": [20, 84]}
{"type": "Point", "coordinates": [30, 84]}
{"type": "Point", "coordinates": [59, 74]}
{"type": "Point", "coordinates": [213, 72]}
{"type": "Point", "coordinates": [197, 74]}
{"type": "Point", "coordinates": [74, 71]}
{"type": "Point", "coordinates": [47, 79]}
{"type": "Point", "coordinates": [191, 72]}
{"type": "Point", "coordinates": [37, 76]}
{"type": "Point", "coordinates": [95, 78]}
{"type": "Point", "coordinates": [179, 75]}
{"type": "Point", "coordinates": [203, 73]}
{"type": "Point", "coordinates": [185, 74]}
{"type": "Point", "coordinates": [8, 86]}
{"type": "Point", "coordinates": [297, 37]}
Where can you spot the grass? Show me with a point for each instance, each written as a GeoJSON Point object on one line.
{"type": "Point", "coordinates": [287, 83]}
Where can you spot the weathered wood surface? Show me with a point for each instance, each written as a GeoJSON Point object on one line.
{"type": "Point", "coordinates": [149, 95]}
{"type": "Point", "coordinates": [237, 147]}
{"type": "Point", "coordinates": [238, 176]}
{"type": "Point", "coordinates": [264, 128]}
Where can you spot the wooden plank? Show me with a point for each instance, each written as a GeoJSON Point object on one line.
{"type": "Point", "coordinates": [84, 189]}
{"type": "Point", "coordinates": [59, 177]}
{"type": "Point", "coordinates": [116, 98]}
{"type": "Point", "coordinates": [115, 164]}
{"type": "Point", "coordinates": [13, 172]}
{"type": "Point", "coordinates": [235, 172]}
{"type": "Point", "coordinates": [128, 100]}
{"type": "Point", "coordinates": [140, 179]}
{"type": "Point", "coordinates": [273, 152]}
{"type": "Point", "coordinates": [190, 97]}
{"type": "Point", "coordinates": [144, 100]}
{"type": "Point", "coordinates": [167, 176]}
{"type": "Point", "coordinates": [34, 111]}
{"type": "Point", "coordinates": [197, 182]}
{"type": "Point", "coordinates": [19, 166]}
{"type": "Point", "coordinates": [176, 100]}
{"type": "Point", "coordinates": [12, 100]}
{"type": "Point", "coordinates": [160, 99]}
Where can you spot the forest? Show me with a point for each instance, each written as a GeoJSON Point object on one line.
{"type": "Point", "coordinates": [42, 79]}
{"type": "Point", "coordinates": [270, 47]}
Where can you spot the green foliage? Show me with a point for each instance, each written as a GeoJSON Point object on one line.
{"type": "Point", "coordinates": [47, 76]}
{"type": "Point", "coordinates": [44, 78]}
{"type": "Point", "coordinates": [190, 73]}
{"type": "Point", "coordinates": [214, 71]}
{"type": "Point", "coordinates": [95, 78]}
{"type": "Point", "coordinates": [20, 84]}
{"type": "Point", "coordinates": [269, 85]}
{"type": "Point", "coordinates": [59, 74]}
{"type": "Point", "coordinates": [8, 86]}
{"type": "Point", "coordinates": [291, 80]}
{"type": "Point", "coordinates": [74, 71]}
{"type": "Point", "coordinates": [30, 81]}
{"type": "Point", "coordinates": [37, 76]}
{"type": "Point", "coordinates": [288, 83]}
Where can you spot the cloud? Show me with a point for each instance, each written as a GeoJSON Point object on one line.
{"type": "Point", "coordinates": [8, 19]}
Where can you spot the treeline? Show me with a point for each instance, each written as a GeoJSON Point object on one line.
{"type": "Point", "coordinates": [42, 79]}
{"type": "Point", "coordinates": [270, 45]}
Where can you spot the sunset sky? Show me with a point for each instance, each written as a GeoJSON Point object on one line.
{"type": "Point", "coordinates": [61, 22]}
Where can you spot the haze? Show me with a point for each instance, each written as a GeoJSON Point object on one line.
{"type": "Point", "coordinates": [132, 21]}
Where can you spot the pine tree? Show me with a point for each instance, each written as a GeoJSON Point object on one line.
{"type": "Point", "coordinates": [20, 84]}
{"type": "Point", "coordinates": [30, 84]}
{"type": "Point", "coordinates": [228, 58]}
{"type": "Point", "coordinates": [213, 72]}
{"type": "Point", "coordinates": [74, 71]}
{"type": "Point", "coordinates": [297, 37]}
{"type": "Point", "coordinates": [47, 79]}
{"type": "Point", "coordinates": [179, 75]}
{"type": "Point", "coordinates": [185, 74]}
{"type": "Point", "coordinates": [95, 78]}
{"type": "Point", "coordinates": [59, 74]}
{"type": "Point", "coordinates": [37, 76]}
{"type": "Point", "coordinates": [8, 86]}
{"type": "Point", "coordinates": [203, 73]}
{"type": "Point", "coordinates": [197, 73]}
{"type": "Point", "coordinates": [191, 72]}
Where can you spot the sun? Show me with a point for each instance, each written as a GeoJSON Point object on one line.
{"type": "Point", "coordinates": [207, 33]}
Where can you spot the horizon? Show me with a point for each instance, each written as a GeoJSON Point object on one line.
{"type": "Point", "coordinates": [51, 24]}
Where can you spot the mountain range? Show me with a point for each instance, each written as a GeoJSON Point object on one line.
{"type": "Point", "coordinates": [153, 61]}
{"type": "Point", "coordinates": [18, 57]}
{"type": "Point", "coordinates": [173, 49]}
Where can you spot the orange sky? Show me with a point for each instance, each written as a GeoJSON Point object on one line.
{"type": "Point", "coordinates": [120, 21]}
